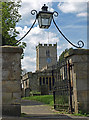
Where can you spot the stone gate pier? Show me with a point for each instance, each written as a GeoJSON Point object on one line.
{"type": "Point", "coordinates": [79, 59]}
{"type": "Point", "coordinates": [11, 76]}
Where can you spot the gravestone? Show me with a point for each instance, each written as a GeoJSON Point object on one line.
{"type": "Point", "coordinates": [44, 90]}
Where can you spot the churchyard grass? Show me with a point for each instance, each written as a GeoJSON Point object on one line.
{"type": "Point", "coordinates": [47, 99]}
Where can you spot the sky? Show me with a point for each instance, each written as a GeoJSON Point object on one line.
{"type": "Point", "coordinates": [72, 20]}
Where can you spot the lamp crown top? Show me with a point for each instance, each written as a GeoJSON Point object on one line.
{"type": "Point", "coordinates": [44, 8]}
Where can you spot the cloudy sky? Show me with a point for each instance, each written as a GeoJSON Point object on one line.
{"type": "Point", "coordinates": [72, 20]}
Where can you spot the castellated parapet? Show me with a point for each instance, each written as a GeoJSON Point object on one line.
{"type": "Point", "coordinates": [47, 44]}
{"type": "Point", "coordinates": [44, 45]}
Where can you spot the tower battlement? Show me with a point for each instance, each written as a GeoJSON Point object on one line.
{"type": "Point", "coordinates": [39, 45]}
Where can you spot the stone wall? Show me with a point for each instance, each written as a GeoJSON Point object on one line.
{"type": "Point", "coordinates": [34, 85]}
{"type": "Point", "coordinates": [80, 78]}
{"type": "Point", "coordinates": [11, 89]}
{"type": "Point", "coordinates": [0, 82]}
{"type": "Point", "coordinates": [30, 83]}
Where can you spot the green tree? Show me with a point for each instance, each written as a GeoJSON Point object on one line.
{"type": "Point", "coordinates": [10, 17]}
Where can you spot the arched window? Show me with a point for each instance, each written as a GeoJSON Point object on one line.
{"type": "Point", "coordinates": [43, 80]}
{"type": "Point", "coordinates": [47, 53]}
{"type": "Point", "coordinates": [53, 80]}
{"type": "Point", "coordinates": [46, 80]}
{"type": "Point", "coordinates": [40, 81]}
{"type": "Point", "coordinates": [50, 83]}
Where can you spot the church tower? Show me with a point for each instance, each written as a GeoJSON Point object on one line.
{"type": "Point", "coordinates": [46, 55]}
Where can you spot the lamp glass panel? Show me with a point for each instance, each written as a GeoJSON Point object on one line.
{"type": "Point", "coordinates": [45, 21]}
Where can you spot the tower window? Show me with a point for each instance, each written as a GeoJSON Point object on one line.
{"type": "Point", "coordinates": [43, 80]}
{"type": "Point", "coordinates": [50, 83]}
{"type": "Point", "coordinates": [46, 80]}
{"type": "Point", "coordinates": [40, 81]}
{"type": "Point", "coordinates": [47, 53]}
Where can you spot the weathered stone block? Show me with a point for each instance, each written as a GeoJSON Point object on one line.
{"type": "Point", "coordinates": [11, 98]}
{"type": "Point", "coordinates": [0, 97]}
{"type": "Point", "coordinates": [16, 95]}
{"type": "Point", "coordinates": [77, 58]}
{"type": "Point", "coordinates": [11, 110]}
{"type": "Point", "coordinates": [88, 84]}
{"type": "Point", "coordinates": [11, 86]}
{"type": "Point", "coordinates": [6, 98]}
{"type": "Point", "coordinates": [77, 52]}
{"type": "Point", "coordinates": [83, 106]}
{"type": "Point", "coordinates": [81, 66]}
{"type": "Point", "coordinates": [10, 74]}
{"type": "Point", "coordinates": [82, 95]}
{"type": "Point", "coordinates": [11, 49]}
{"type": "Point", "coordinates": [81, 84]}
{"type": "Point", "coordinates": [0, 111]}
{"type": "Point", "coordinates": [88, 95]}
{"type": "Point", "coordinates": [0, 86]}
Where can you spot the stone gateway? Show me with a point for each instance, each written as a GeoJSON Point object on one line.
{"type": "Point", "coordinates": [11, 80]}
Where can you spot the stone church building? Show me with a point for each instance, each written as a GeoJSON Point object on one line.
{"type": "Point", "coordinates": [45, 76]}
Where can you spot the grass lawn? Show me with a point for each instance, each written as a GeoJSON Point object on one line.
{"type": "Point", "coordinates": [47, 99]}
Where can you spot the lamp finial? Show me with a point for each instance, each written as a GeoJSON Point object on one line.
{"type": "Point", "coordinates": [44, 8]}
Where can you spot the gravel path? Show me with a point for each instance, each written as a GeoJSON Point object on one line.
{"type": "Point", "coordinates": [35, 107]}
{"type": "Point", "coordinates": [38, 110]}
